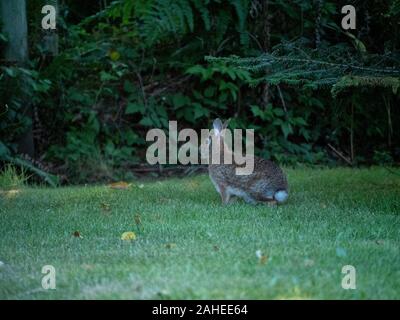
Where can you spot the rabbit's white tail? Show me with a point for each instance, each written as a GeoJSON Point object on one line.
{"type": "Point", "coordinates": [281, 196]}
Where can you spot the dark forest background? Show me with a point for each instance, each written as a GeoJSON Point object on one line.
{"type": "Point", "coordinates": [78, 105]}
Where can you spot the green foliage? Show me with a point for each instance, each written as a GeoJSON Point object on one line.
{"type": "Point", "coordinates": [365, 81]}
{"type": "Point", "coordinates": [10, 178]}
{"type": "Point", "coordinates": [17, 86]}
{"type": "Point", "coordinates": [26, 166]}
{"type": "Point", "coordinates": [338, 69]}
{"type": "Point", "coordinates": [294, 63]}
{"type": "Point", "coordinates": [288, 71]}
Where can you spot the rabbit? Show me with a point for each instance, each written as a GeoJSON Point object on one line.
{"type": "Point", "coordinates": [266, 184]}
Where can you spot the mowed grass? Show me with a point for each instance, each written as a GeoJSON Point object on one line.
{"type": "Point", "coordinates": [192, 247]}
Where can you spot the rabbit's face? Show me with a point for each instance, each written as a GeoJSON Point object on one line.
{"type": "Point", "coordinates": [215, 139]}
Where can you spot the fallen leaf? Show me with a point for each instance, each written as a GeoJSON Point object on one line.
{"type": "Point", "coordinates": [121, 185]}
{"type": "Point", "coordinates": [138, 219]}
{"type": "Point", "coordinates": [77, 234]}
{"type": "Point", "coordinates": [170, 245]}
{"type": "Point", "coordinates": [308, 262]}
{"type": "Point", "coordinates": [10, 193]}
{"type": "Point", "coordinates": [129, 235]}
{"type": "Point", "coordinates": [105, 206]}
{"type": "Point", "coordinates": [87, 266]}
{"type": "Point", "coordinates": [263, 260]}
{"type": "Point", "coordinates": [141, 186]}
{"type": "Point", "coordinates": [193, 185]}
{"type": "Point", "coordinates": [261, 257]}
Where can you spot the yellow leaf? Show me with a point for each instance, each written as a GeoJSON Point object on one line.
{"type": "Point", "coordinates": [129, 235]}
{"type": "Point", "coordinates": [114, 55]}
{"type": "Point", "coordinates": [105, 206]}
{"type": "Point", "coordinates": [119, 185]}
{"type": "Point", "coordinates": [193, 185]}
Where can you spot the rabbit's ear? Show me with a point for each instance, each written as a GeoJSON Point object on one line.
{"type": "Point", "coordinates": [226, 123]}
{"type": "Point", "coordinates": [217, 124]}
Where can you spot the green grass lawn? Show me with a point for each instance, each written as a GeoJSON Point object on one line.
{"type": "Point", "coordinates": [192, 247]}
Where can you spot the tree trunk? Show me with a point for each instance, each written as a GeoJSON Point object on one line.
{"type": "Point", "coordinates": [13, 16]}
{"type": "Point", "coordinates": [15, 28]}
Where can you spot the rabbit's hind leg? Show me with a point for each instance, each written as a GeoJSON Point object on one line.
{"type": "Point", "coordinates": [238, 192]}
